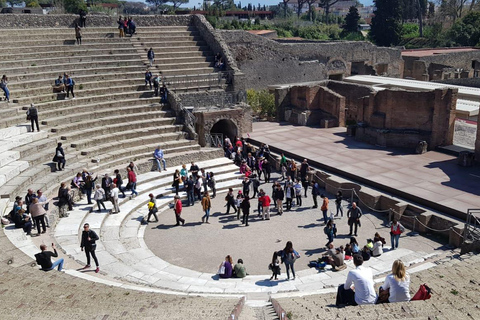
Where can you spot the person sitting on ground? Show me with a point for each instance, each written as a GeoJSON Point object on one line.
{"type": "Point", "coordinates": [369, 244]}
{"type": "Point", "coordinates": [334, 257]}
{"type": "Point", "coordinates": [131, 26]}
{"type": "Point", "coordinates": [362, 280]}
{"type": "Point", "coordinates": [59, 157]}
{"type": "Point", "coordinates": [44, 258]}
{"type": "Point", "coordinates": [354, 244]}
{"type": "Point", "coordinates": [365, 253]}
{"type": "Point", "coordinates": [22, 220]}
{"type": "Point", "coordinates": [239, 270]}
{"type": "Point", "coordinates": [348, 252]}
{"type": "Point", "coordinates": [397, 284]}
{"type": "Point", "coordinates": [59, 86]}
{"type": "Point", "coordinates": [226, 268]}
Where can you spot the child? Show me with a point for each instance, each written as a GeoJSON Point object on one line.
{"type": "Point", "coordinates": [274, 266]}
{"type": "Point", "coordinates": [348, 252]}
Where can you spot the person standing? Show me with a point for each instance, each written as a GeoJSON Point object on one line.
{"type": "Point", "coordinates": [396, 229]}
{"type": "Point", "coordinates": [152, 208]}
{"type": "Point", "coordinates": [151, 56]}
{"type": "Point", "coordinates": [298, 192]}
{"type": "Point", "coordinates": [99, 197]}
{"type": "Point", "coordinates": [212, 183]}
{"type": "Point", "coordinates": [362, 280]}
{"type": "Point", "coordinates": [44, 202]}
{"type": "Point", "coordinates": [120, 27]}
{"type": "Point", "coordinates": [338, 203]}
{"type": "Point", "coordinates": [289, 256]}
{"type": "Point", "coordinates": [329, 231]}
{"type": "Point", "coordinates": [198, 188]}
{"type": "Point", "coordinates": [148, 79]}
{"type": "Point", "coordinates": [194, 170]}
{"type": "Point", "coordinates": [278, 195]}
{"type": "Point", "coordinates": [206, 205]}
{"type": "Point", "coordinates": [315, 194]}
{"type": "Point", "coordinates": [89, 186]}
{"type": "Point", "coordinates": [354, 214]}
{"type": "Point", "coordinates": [265, 200]}
{"type": "Point", "coordinates": [78, 34]}
{"type": "Point", "coordinates": [176, 181]}
{"type": "Point", "coordinates": [89, 237]}
{"type": "Point", "coordinates": [132, 181]}
{"type": "Point", "coordinates": [304, 167]}
{"type": "Point", "coordinates": [245, 206]}
{"type": "Point", "coordinates": [119, 181]}
{"type": "Point", "coordinates": [69, 84]}
{"type": "Point", "coordinates": [246, 186]}
{"type": "Point", "coordinates": [397, 283]}
{"type": "Point", "coordinates": [177, 207]}
{"type": "Point", "coordinates": [114, 198]}
{"type": "Point", "coordinates": [4, 87]}
{"type": "Point", "coordinates": [289, 193]}
{"type": "Point", "coordinates": [267, 170]}
{"type": "Point", "coordinates": [107, 184]}
{"type": "Point", "coordinates": [32, 113]}
{"type": "Point", "coordinates": [44, 258]}
{"type": "Point", "coordinates": [230, 198]}
{"type": "Point", "coordinates": [283, 165]}
{"type": "Point", "coordinates": [324, 208]}
{"type": "Point", "coordinates": [159, 156]}
{"type": "Point", "coordinates": [189, 185]}
{"type": "Point", "coordinates": [83, 19]}
{"type": "Point", "coordinates": [59, 157]}
{"type": "Point", "coordinates": [38, 214]}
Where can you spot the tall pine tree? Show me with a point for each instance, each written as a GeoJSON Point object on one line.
{"type": "Point", "coordinates": [351, 20]}
{"type": "Point", "coordinates": [386, 29]}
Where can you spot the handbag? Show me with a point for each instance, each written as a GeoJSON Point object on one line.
{"type": "Point", "coordinates": [423, 293]}
{"type": "Point", "coordinates": [59, 154]}
{"type": "Point", "coordinates": [28, 117]}
{"type": "Point", "coordinates": [222, 269]}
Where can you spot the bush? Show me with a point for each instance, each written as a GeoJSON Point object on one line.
{"type": "Point", "coordinates": [262, 102]}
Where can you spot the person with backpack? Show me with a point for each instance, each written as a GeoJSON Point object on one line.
{"type": "Point", "coordinates": [69, 84]}
{"type": "Point", "coordinates": [44, 258]}
{"type": "Point", "coordinates": [99, 197]}
{"type": "Point", "coordinates": [289, 256]}
{"type": "Point", "coordinates": [152, 208]}
{"type": "Point", "coordinates": [396, 229]}
{"type": "Point", "coordinates": [206, 205]}
{"type": "Point", "coordinates": [330, 231]}
{"type": "Point", "coordinates": [230, 198]}
{"type": "Point", "coordinates": [32, 114]}
{"type": "Point", "coordinates": [89, 237]}
{"type": "Point", "coordinates": [148, 79]}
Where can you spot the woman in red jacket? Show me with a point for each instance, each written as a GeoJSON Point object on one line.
{"type": "Point", "coordinates": [396, 229]}
{"type": "Point", "coordinates": [177, 207]}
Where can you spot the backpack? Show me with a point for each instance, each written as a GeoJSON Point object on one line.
{"type": "Point", "coordinates": [423, 293]}
{"type": "Point", "coordinates": [73, 82]}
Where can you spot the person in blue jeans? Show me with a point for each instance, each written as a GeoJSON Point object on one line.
{"type": "Point", "coordinates": [4, 87]}
{"type": "Point", "coordinates": [189, 185]}
{"type": "Point", "coordinates": [44, 258]}
{"type": "Point", "coordinates": [396, 229]}
{"type": "Point", "coordinates": [289, 256]}
{"type": "Point", "coordinates": [158, 154]}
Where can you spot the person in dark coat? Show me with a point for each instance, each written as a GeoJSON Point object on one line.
{"type": "Point", "coordinates": [245, 206]}
{"type": "Point", "coordinates": [88, 245]}
{"type": "Point", "coordinates": [32, 113]}
{"type": "Point", "coordinates": [59, 157]}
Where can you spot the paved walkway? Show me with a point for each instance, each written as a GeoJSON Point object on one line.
{"type": "Point", "coordinates": [432, 176]}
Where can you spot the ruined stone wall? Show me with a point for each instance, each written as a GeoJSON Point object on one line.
{"type": "Point", "coordinates": [266, 62]}
{"type": "Point", "coordinates": [467, 82]}
{"type": "Point", "coordinates": [19, 21]}
{"type": "Point", "coordinates": [355, 96]}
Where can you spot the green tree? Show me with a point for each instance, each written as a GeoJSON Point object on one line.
{"type": "Point", "coordinates": [74, 6]}
{"type": "Point", "coordinates": [386, 28]}
{"type": "Point", "coordinates": [326, 4]}
{"type": "Point", "coordinates": [3, 3]}
{"type": "Point", "coordinates": [351, 20]}
{"type": "Point", "coordinates": [466, 32]}
{"type": "Point", "coordinates": [32, 4]}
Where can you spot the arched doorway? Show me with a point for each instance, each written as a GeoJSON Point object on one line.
{"type": "Point", "coordinates": [226, 127]}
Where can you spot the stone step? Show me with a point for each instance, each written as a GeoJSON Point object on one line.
{"type": "Point", "coordinates": [180, 60]}
{"type": "Point", "coordinates": [65, 48]}
{"type": "Point", "coordinates": [152, 38]}
{"type": "Point", "coordinates": [68, 41]}
{"type": "Point", "coordinates": [58, 68]}
{"type": "Point", "coordinates": [88, 92]}
{"type": "Point", "coordinates": [48, 53]}
{"type": "Point", "coordinates": [132, 55]}
{"type": "Point", "coordinates": [11, 170]}
{"type": "Point", "coordinates": [94, 114]}
{"type": "Point", "coordinates": [182, 65]}
{"type": "Point", "coordinates": [160, 44]}
{"type": "Point", "coordinates": [172, 49]}
{"type": "Point", "coordinates": [125, 140]}
{"type": "Point", "coordinates": [50, 75]}
{"type": "Point", "coordinates": [112, 29]}
{"type": "Point", "coordinates": [23, 140]}
{"type": "Point", "coordinates": [73, 136]}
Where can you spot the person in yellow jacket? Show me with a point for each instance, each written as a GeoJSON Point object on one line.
{"type": "Point", "coordinates": [152, 208]}
{"type": "Point", "coordinates": [206, 205]}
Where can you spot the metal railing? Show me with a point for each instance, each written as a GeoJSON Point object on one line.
{"type": "Point", "coordinates": [214, 140]}
{"type": "Point", "coordinates": [472, 225]}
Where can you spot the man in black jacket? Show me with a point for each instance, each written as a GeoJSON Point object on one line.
{"type": "Point", "coordinates": [88, 245]}
{"type": "Point", "coordinates": [44, 258]}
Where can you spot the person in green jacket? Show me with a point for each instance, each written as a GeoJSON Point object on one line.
{"type": "Point", "coordinates": [240, 270]}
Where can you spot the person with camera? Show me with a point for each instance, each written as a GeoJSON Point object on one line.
{"type": "Point", "coordinates": [44, 258]}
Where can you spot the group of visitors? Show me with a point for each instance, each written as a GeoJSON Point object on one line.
{"type": "Point", "coordinates": [156, 83]}
{"type": "Point", "coordinates": [228, 270]}
{"type": "Point", "coordinates": [30, 212]}
{"type": "Point", "coordinates": [64, 84]}
{"type": "Point", "coordinates": [126, 26]}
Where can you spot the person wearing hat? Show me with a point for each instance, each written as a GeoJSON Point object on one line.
{"type": "Point", "coordinates": [152, 208]}
{"type": "Point", "coordinates": [32, 114]}
{"type": "Point", "coordinates": [361, 279]}
{"type": "Point", "coordinates": [334, 257]}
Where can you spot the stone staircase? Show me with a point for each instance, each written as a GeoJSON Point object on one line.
{"type": "Point", "coordinates": [114, 118]}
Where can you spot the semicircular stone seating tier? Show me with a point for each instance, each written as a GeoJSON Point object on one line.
{"type": "Point", "coordinates": [125, 257]}
{"type": "Point", "coordinates": [114, 119]}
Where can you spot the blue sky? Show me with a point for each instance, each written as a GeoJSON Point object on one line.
{"type": "Point", "coordinates": [196, 3]}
